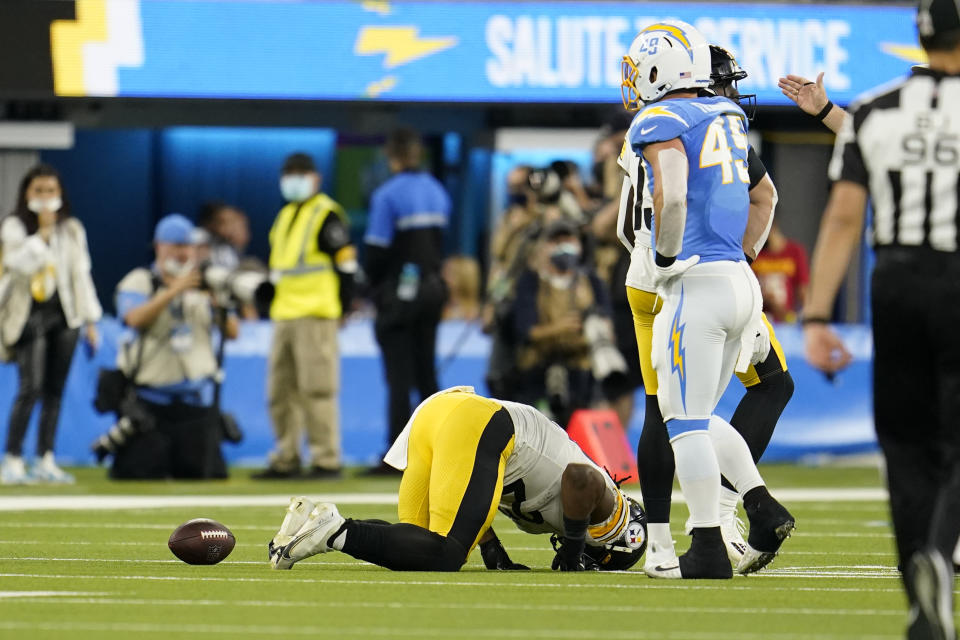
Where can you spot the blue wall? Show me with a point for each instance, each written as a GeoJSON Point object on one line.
{"type": "Point", "coordinates": [823, 417]}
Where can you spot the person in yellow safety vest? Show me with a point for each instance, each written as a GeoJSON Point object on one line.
{"type": "Point", "coordinates": [313, 264]}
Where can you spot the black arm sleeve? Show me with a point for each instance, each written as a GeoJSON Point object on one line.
{"type": "Point", "coordinates": [755, 167]}
{"type": "Point", "coordinates": [333, 237]}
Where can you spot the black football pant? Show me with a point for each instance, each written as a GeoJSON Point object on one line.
{"type": "Point", "coordinates": [755, 419]}
{"type": "Point", "coordinates": [43, 362]}
{"type": "Point", "coordinates": [916, 394]}
{"type": "Point", "coordinates": [409, 362]}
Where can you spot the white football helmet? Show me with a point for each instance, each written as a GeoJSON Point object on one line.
{"type": "Point", "coordinates": [664, 57]}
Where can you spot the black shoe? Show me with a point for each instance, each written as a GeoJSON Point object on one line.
{"type": "Point", "coordinates": [931, 581]}
{"type": "Point", "coordinates": [707, 556]}
{"type": "Point", "coordinates": [272, 473]}
{"type": "Point", "coordinates": [770, 525]}
{"type": "Point", "coordinates": [382, 470]}
{"type": "Point", "coordinates": [322, 473]}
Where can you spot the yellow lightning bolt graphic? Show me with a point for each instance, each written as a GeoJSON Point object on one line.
{"type": "Point", "coordinates": [672, 30]}
{"type": "Point", "coordinates": [377, 6]}
{"type": "Point", "coordinates": [401, 44]}
{"type": "Point", "coordinates": [910, 53]}
{"type": "Point", "coordinates": [675, 335]}
{"type": "Point", "coordinates": [374, 89]}
{"type": "Point", "coordinates": [67, 38]}
{"type": "Point", "coordinates": [649, 112]}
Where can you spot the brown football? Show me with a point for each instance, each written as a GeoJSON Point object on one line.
{"type": "Point", "coordinates": [201, 541]}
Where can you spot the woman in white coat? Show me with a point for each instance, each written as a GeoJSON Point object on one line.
{"type": "Point", "coordinates": [46, 297]}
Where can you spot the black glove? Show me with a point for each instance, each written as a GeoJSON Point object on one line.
{"type": "Point", "coordinates": [571, 557]}
{"type": "Point", "coordinates": [495, 557]}
{"type": "Point", "coordinates": [583, 563]}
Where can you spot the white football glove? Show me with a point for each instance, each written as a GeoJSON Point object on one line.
{"type": "Point", "coordinates": [761, 343]}
{"type": "Point", "coordinates": [663, 275]}
{"type": "Point", "coordinates": [754, 345]}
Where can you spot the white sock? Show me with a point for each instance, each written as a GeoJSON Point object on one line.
{"type": "Point", "coordinates": [699, 477]}
{"type": "Point", "coordinates": [733, 456]}
{"type": "Point", "coordinates": [728, 503]}
{"type": "Point", "coordinates": [658, 535]}
{"type": "Point", "coordinates": [337, 541]}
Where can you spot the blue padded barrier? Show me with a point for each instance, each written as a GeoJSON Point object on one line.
{"type": "Point", "coordinates": [822, 418]}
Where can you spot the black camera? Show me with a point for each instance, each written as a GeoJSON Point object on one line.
{"type": "Point", "coordinates": [133, 420]}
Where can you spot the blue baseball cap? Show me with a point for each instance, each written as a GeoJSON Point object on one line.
{"type": "Point", "coordinates": [174, 229]}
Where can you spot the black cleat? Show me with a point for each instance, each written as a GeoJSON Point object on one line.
{"type": "Point", "coordinates": [770, 525]}
{"type": "Point", "coordinates": [706, 559]}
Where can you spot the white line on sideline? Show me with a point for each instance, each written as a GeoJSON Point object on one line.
{"type": "Point", "coordinates": [109, 502]}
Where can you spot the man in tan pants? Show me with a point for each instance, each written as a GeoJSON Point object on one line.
{"type": "Point", "coordinates": [313, 264]}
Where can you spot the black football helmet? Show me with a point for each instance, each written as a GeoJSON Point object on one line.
{"type": "Point", "coordinates": [725, 73]}
{"type": "Point", "coordinates": [625, 551]}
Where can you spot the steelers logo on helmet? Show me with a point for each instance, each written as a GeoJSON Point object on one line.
{"type": "Point", "coordinates": [625, 551]}
{"type": "Point", "coordinates": [666, 56]}
{"type": "Point", "coordinates": [636, 536]}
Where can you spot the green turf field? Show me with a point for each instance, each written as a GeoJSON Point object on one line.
{"type": "Point", "coordinates": [92, 573]}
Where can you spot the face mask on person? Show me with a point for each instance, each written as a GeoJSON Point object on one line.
{"type": "Point", "coordinates": [40, 205]}
{"type": "Point", "coordinates": [565, 256]}
{"type": "Point", "coordinates": [296, 187]}
{"type": "Point", "coordinates": [175, 268]}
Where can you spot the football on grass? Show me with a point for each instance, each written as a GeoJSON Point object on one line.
{"type": "Point", "coordinates": [201, 541]}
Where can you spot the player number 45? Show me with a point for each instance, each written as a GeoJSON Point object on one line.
{"type": "Point", "coordinates": [716, 148]}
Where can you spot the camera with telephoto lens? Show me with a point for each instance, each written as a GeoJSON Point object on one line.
{"type": "Point", "coordinates": [243, 286]}
{"type": "Point", "coordinates": [546, 185]}
{"type": "Point", "coordinates": [132, 421]}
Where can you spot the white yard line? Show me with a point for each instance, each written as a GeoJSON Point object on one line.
{"type": "Point", "coordinates": [392, 632]}
{"type": "Point", "coordinates": [351, 563]}
{"type": "Point", "coordinates": [642, 582]}
{"type": "Point", "coordinates": [545, 549]}
{"type": "Point", "coordinates": [482, 606]}
{"type": "Point", "coordinates": [852, 571]}
{"type": "Point", "coordinates": [46, 595]}
{"type": "Point", "coordinates": [113, 502]}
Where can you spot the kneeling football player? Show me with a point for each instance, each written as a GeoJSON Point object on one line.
{"type": "Point", "coordinates": [462, 457]}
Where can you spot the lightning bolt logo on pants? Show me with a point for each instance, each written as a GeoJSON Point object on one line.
{"type": "Point", "coordinates": [676, 352]}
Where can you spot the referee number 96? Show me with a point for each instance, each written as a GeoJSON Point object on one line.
{"type": "Point", "coordinates": [918, 149]}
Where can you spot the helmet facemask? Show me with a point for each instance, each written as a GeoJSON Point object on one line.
{"type": "Point", "coordinates": [725, 73]}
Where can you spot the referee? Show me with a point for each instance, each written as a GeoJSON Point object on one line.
{"type": "Point", "coordinates": [901, 146]}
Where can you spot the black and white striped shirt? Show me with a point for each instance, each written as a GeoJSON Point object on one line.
{"type": "Point", "coordinates": [903, 144]}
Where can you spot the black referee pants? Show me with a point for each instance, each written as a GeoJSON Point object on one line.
{"type": "Point", "coordinates": [916, 334]}
{"type": "Point", "coordinates": [408, 345]}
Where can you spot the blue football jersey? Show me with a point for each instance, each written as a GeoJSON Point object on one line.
{"type": "Point", "coordinates": [713, 131]}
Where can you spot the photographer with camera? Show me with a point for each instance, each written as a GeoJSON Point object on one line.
{"type": "Point", "coordinates": [561, 318]}
{"type": "Point", "coordinates": [171, 427]}
{"type": "Point", "coordinates": [536, 198]}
